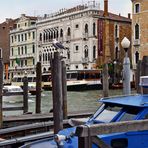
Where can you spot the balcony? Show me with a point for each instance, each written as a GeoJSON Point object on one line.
{"type": "Point", "coordinates": [85, 36]}
{"type": "Point", "coordinates": [68, 38]}
{"type": "Point", "coordinates": [136, 42]}
{"type": "Point", "coordinates": [22, 67]}
{"type": "Point", "coordinates": [85, 60]}
{"type": "Point", "coordinates": [30, 55]}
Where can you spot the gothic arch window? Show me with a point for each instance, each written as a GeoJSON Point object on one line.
{"type": "Point", "coordinates": [61, 33]}
{"type": "Point", "coordinates": [94, 29]}
{"type": "Point", "coordinates": [86, 28]}
{"type": "Point", "coordinates": [44, 37]}
{"type": "Point", "coordinates": [51, 35]}
{"type": "Point", "coordinates": [46, 57]}
{"type": "Point", "coordinates": [86, 51]}
{"type": "Point", "coordinates": [68, 32]}
{"type": "Point", "coordinates": [40, 37]}
{"type": "Point", "coordinates": [57, 33]}
{"type": "Point", "coordinates": [54, 34]}
{"type": "Point", "coordinates": [94, 52]}
{"type": "Point", "coordinates": [40, 57]}
{"type": "Point", "coordinates": [136, 31]}
{"type": "Point", "coordinates": [116, 53]}
{"type": "Point", "coordinates": [116, 31]}
{"type": "Point", "coordinates": [68, 54]}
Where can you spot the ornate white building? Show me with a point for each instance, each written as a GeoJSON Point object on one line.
{"type": "Point", "coordinates": [23, 47]}
{"type": "Point", "coordinates": [76, 29]}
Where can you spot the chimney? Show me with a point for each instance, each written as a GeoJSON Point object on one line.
{"type": "Point", "coordinates": [129, 15]}
{"type": "Point", "coordinates": [105, 8]}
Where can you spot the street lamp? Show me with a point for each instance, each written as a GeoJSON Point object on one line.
{"type": "Point", "coordinates": [126, 68]}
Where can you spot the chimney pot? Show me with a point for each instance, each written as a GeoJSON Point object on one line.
{"type": "Point", "coordinates": [129, 15]}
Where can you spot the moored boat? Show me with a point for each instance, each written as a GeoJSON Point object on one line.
{"type": "Point", "coordinates": [12, 94]}
{"type": "Point", "coordinates": [113, 109]}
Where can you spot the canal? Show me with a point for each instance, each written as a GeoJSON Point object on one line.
{"type": "Point", "coordinates": [77, 101]}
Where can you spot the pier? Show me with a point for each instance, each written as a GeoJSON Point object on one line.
{"type": "Point", "coordinates": [16, 130]}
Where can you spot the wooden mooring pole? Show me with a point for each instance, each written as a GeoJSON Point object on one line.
{"type": "Point", "coordinates": [38, 87]}
{"type": "Point", "coordinates": [105, 81]}
{"type": "Point", "coordinates": [57, 92]}
{"type": "Point", "coordinates": [64, 90]}
{"type": "Point", "coordinates": [138, 74]}
{"type": "Point", "coordinates": [1, 95]}
{"type": "Point", "coordinates": [25, 96]}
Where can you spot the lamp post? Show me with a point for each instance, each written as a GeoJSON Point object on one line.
{"type": "Point", "coordinates": [126, 68]}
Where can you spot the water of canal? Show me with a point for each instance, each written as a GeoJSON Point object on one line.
{"type": "Point", "coordinates": [77, 101]}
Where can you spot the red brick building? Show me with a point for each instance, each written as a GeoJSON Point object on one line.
{"type": "Point", "coordinates": [5, 28]}
{"type": "Point", "coordinates": [112, 29]}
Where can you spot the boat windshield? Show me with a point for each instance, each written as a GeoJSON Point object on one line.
{"type": "Point", "coordinates": [108, 113]}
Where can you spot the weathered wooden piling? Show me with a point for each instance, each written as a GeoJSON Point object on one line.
{"type": "Point", "coordinates": [64, 90]}
{"type": "Point", "coordinates": [25, 94]}
{"type": "Point", "coordinates": [1, 88]}
{"type": "Point", "coordinates": [57, 92]}
{"type": "Point", "coordinates": [38, 87]}
{"type": "Point", "coordinates": [105, 81]}
{"type": "Point", "coordinates": [138, 74]}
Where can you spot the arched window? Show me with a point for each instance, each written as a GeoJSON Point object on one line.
{"type": "Point", "coordinates": [116, 53]}
{"type": "Point", "coordinates": [54, 34]}
{"type": "Point", "coordinates": [68, 32]}
{"type": "Point", "coordinates": [137, 57]}
{"type": "Point", "coordinates": [94, 29]}
{"type": "Point", "coordinates": [40, 57]}
{"type": "Point", "coordinates": [44, 38]}
{"type": "Point", "coordinates": [86, 51]}
{"type": "Point", "coordinates": [68, 55]}
{"type": "Point", "coordinates": [46, 57]}
{"type": "Point", "coordinates": [40, 39]}
{"type": "Point", "coordinates": [137, 8]}
{"type": "Point", "coordinates": [116, 31]}
{"type": "Point", "coordinates": [94, 52]}
{"type": "Point", "coordinates": [136, 31]}
{"type": "Point", "coordinates": [47, 36]}
{"type": "Point", "coordinates": [86, 28]}
{"type": "Point", "coordinates": [57, 33]}
{"type": "Point", "coordinates": [61, 33]}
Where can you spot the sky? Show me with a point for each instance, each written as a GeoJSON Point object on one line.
{"type": "Point", "coordinates": [14, 8]}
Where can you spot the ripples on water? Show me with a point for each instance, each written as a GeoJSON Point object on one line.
{"type": "Point", "coordinates": [77, 101]}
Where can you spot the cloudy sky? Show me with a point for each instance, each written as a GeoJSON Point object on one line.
{"type": "Point", "coordinates": [13, 8]}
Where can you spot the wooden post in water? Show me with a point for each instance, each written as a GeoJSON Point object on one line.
{"type": "Point", "coordinates": [1, 95]}
{"type": "Point", "coordinates": [138, 74]}
{"type": "Point", "coordinates": [57, 92]}
{"type": "Point", "coordinates": [25, 94]}
{"type": "Point", "coordinates": [105, 81]}
{"type": "Point", "coordinates": [38, 87]}
{"type": "Point", "coordinates": [64, 90]}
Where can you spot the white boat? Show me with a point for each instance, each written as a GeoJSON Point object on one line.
{"type": "Point", "coordinates": [12, 94]}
